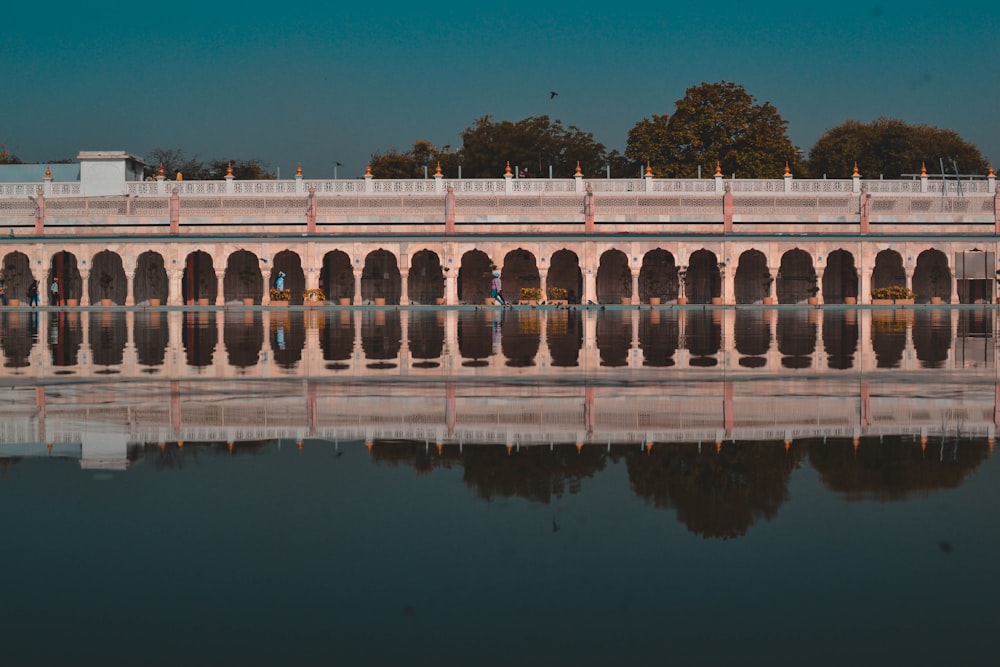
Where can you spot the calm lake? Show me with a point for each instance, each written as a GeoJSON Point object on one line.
{"type": "Point", "coordinates": [497, 487]}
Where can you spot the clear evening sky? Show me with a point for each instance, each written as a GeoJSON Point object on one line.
{"type": "Point", "coordinates": [334, 82]}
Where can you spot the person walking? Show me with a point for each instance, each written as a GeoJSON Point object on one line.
{"type": "Point", "coordinates": [3, 292]}
{"type": "Point", "coordinates": [496, 293]}
{"type": "Point", "coordinates": [33, 294]}
{"type": "Point", "coordinates": [279, 282]}
{"type": "Point", "coordinates": [54, 290]}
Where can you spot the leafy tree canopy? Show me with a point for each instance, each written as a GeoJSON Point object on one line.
{"type": "Point", "coordinates": [6, 157]}
{"type": "Point", "coordinates": [890, 148]}
{"type": "Point", "coordinates": [175, 160]}
{"type": "Point", "coordinates": [411, 163]}
{"type": "Point", "coordinates": [716, 122]}
{"type": "Point", "coordinates": [532, 145]}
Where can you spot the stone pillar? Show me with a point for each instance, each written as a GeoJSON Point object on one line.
{"type": "Point", "coordinates": [357, 286]}
{"type": "Point", "coordinates": [175, 293]}
{"type": "Point", "coordinates": [450, 287]}
{"type": "Point", "coordinates": [635, 284]}
{"type": "Point", "coordinates": [588, 210]}
{"type": "Point", "coordinates": [220, 295]}
{"type": "Point", "coordinates": [130, 287]}
{"type": "Point", "coordinates": [311, 212]}
{"type": "Point", "coordinates": [449, 211]}
{"type": "Point", "coordinates": [543, 280]}
{"type": "Point", "coordinates": [865, 285]}
{"type": "Point", "coordinates": [404, 287]}
{"type": "Point", "coordinates": [727, 210]}
{"type": "Point", "coordinates": [84, 289]}
{"type": "Point", "coordinates": [865, 213]}
{"type": "Point", "coordinates": [175, 212]}
{"type": "Point", "coordinates": [589, 286]}
{"type": "Point", "coordinates": [728, 287]}
{"type": "Point", "coordinates": [40, 213]}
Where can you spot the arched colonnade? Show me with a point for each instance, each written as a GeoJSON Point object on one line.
{"type": "Point", "coordinates": [602, 271]}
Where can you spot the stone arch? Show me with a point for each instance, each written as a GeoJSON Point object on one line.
{"type": "Point", "coordinates": [752, 334]}
{"type": "Point", "coordinates": [381, 337]}
{"type": "Point", "coordinates": [199, 281]}
{"type": "Point", "coordinates": [888, 270]}
{"type": "Point", "coordinates": [244, 339]}
{"type": "Point", "coordinates": [65, 336]}
{"type": "Point", "coordinates": [474, 277]}
{"type": "Point", "coordinates": [796, 280]}
{"type": "Point", "coordinates": [703, 281]}
{"type": "Point", "coordinates": [107, 278]}
{"type": "Point", "coordinates": [336, 279]}
{"type": "Point", "coordinates": [658, 276]}
{"type": "Point", "coordinates": [932, 277]}
{"type": "Point", "coordinates": [287, 334]}
{"type": "Point", "coordinates": [380, 277]}
{"type": "Point", "coordinates": [425, 280]}
{"type": "Point", "coordinates": [17, 275]}
{"type": "Point", "coordinates": [243, 278]}
{"type": "Point", "coordinates": [614, 277]}
{"type": "Point", "coordinates": [199, 336]}
{"type": "Point", "coordinates": [752, 278]}
{"type": "Point", "coordinates": [520, 269]}
{"type": "Point", "coordinates": [63, 268]}
{"type": "Point", "coordinates": [840, 277]}
{"type": "Point", "coordinates": [796, 337]}
{"type": "Point", "coordinates": [840, 337]}
{"type": "Point", "coordinates": [150, 280]}
{"type": "Point", "coordinates": [565, 272]}
{"type": "Point", "coordinates": [107, 337]}
{"type": "Point", "coordinates": [295, 280]}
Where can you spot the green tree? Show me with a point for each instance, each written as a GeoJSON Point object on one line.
{"type": "Point", "coordinates": [6, 157]}
{"type": "Point", "coordinates": [411, 163]}
{"type": "Point", "coordinates": [176, 160]}
{"type": "Point", "coordinates": [716, 122]}
{"type": "Point", "coordinates": [891, 147]}
{"type": "Point", "coordinates": [531, 144]}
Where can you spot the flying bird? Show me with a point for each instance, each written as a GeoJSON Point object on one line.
{"type": "Point", "coordinates": [552, 95]}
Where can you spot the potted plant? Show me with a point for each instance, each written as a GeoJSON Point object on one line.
{"type": "Point", "coordinates": [530, 296]}
{"type": "Point", "coordinates": [812, 299]}
{"type": "Point", "coordinates": [768, 299]}
{"type": "Point", "coordinates": [313, 296]}
{"type": "Point", "coordinates": [280, 297]}
{"type": "Point", "coordinates": [898, 294]}
{"type": "Point", "coordinates": [556, 295]}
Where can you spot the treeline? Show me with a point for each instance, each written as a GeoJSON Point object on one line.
{"type": "Point", "coordinates": [713, 125]}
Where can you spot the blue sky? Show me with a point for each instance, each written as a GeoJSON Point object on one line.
{"type": "Point", "coordinates": [325, 82]}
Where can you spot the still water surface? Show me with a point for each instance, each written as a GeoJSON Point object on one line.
{"type": "Point", "coordinates": [470, 487]}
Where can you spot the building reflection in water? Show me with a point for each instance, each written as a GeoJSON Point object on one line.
{"type": "Point", "coordinates": [530, 402]}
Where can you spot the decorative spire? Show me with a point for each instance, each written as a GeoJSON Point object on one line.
{"type": "Point", "coordinates": [718, 168]}
{"type": "Point", "coordinates": [578, 172]}
{"type": "Point", "coordinates": [855, 174]}
{"type": "Point", "coordinates": [298, 170]}
{"type": "Point", "coordinates": [48, 173]}
{"type": "Point", "coordinates": [923, 169]}
{"type": "Point", "coordinates": [179, 177]}
{"type": "Point", "coordinates": [437, 170]}
{"type": "Point", "coordinates": [991, 174]}
{"type": "Point", "coordinates": [229, 170]}
{"type": "Point", "coordinates": [507, 171]}
{"type": "Point", "coordinates": [649, 169]}
{"type": "Point", "coordinates": [788, 172]}
{"type": "Point", "coordinates": [368, 170]}
{"type": "Point", "coordinates": [160, 172]}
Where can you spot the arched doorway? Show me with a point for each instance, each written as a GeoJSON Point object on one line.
{"type": "Point", "coordinates": [243, 280]}
{"type": "Point", "coordinates": [753, 279]}
{"type": "Point", "coordinates": [107, 278]}
{"type": "Point", "coordinates": [63, 270]}
{"type": "Point", "coordinates": [564, 272]}
{"type": "Point", "coordinates": [614, 277]}
{"type": "Point", "coordinates": [519, 270]}
{"type": "Point", "coordinates": [888, 271]}
{"type": "Point", "coordinates": [796, 280]}
{"type": "Point", "coordinates": [703, 281]}
{"type": "Point", "coordinates": [474, 277]}
{"type": "Point", "coordinates": [17, 275]}
{"type": "Point", "coordinates": [658, 276]}
{"type": "Point", "coordinates": [932, 277]}
{"type": "Point", "coordinates": [150, 278]}
{"type": "Point", "coordinates": [380, 277]}
{"type": "Point", "coordinates": [337, 277]}
{"type": "Point", "coordinates": [199, 284]}
{"type": "Point", "coordinates": [295, 279]}
{"type": "Point", "coordinates": [425, 281]}
{"type": "Point", "coordinates": [840, 278]}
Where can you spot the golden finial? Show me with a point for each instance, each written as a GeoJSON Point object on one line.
{"type": "Point", "coordinates": [229, 169]}
{"type": "Point", "coordinates": [923, 169]}
{"type": "Point", "coordinates": [180, 176]}
{"type": "Point", "coordinates": [507, 171]}
{"type": "Point", "coordinates": [649, 169]}
{"type": "Point", "coordinates": [578, 172]}
{"type": "Point", "coordinates": [160, 172]}
{"type": "Point", "coordinates": [48, 172]}
{"type": "Point", "coordinates": [718, 168]}
{"type": "Point", "coordinates": [855, 170]}
{"type": "Point", "coordinates": [368, 170]}
{"type": "Point", "coordinates": [298, 170]}
{"type": "Point", "coordinates": [991, 174]}
{"type": "Point", "coordinates": [437, 170]}
{"type": "Point", "coordinates": [788, 172]}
